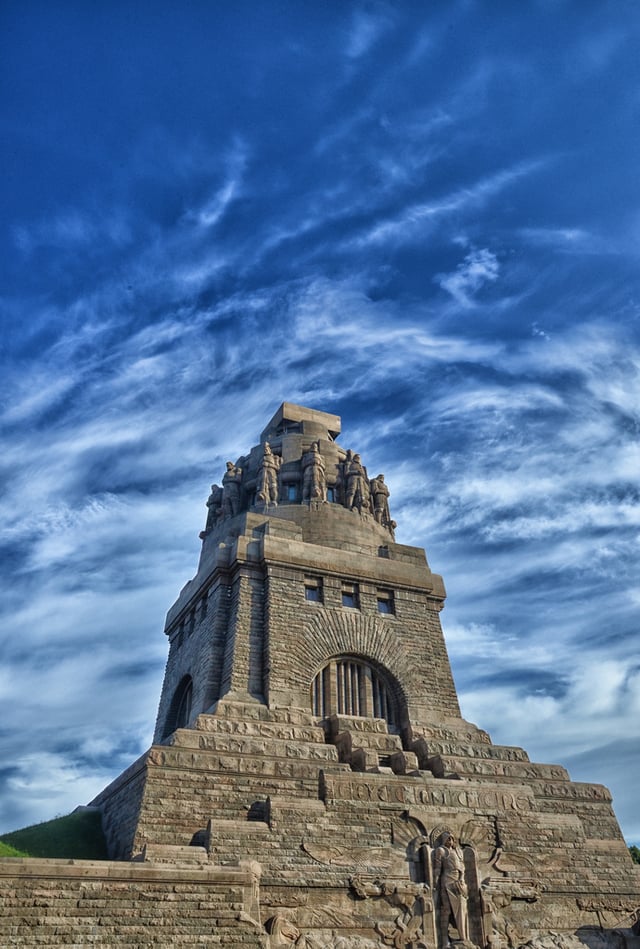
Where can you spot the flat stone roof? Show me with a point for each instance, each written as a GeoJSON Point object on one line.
{"type": "Point", "coordinates": [290, 412]}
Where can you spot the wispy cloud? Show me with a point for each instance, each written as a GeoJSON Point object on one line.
{"type": "Point", "coordinates": [569, 240]}
{"type": "Point", "coordinates": [412, 219]}
{"type": "Point", "coordinates": [478, 268]}
{"type": "Point", "coordinates": [367, 25]}
{"type": "Point", "coordinates": [214, 208]}
{"type": "Point", "coordinates": [73, 229]}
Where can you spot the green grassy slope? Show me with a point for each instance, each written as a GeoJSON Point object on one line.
{"type": "Point", "coordinates": [78, 835]}
{"type": "Point", "coordinates": [7, 851]}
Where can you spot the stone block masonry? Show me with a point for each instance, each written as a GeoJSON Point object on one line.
{"type": "Point", "coordinates": [85, 903]}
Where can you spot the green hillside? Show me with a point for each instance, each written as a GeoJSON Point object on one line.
{"type": "Point", "coordinates": [77, 835]}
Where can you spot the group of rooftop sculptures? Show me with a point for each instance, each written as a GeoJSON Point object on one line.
{"type": "Point", "coordinates": [347, 484]}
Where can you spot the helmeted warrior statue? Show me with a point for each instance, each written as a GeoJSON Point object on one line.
{"type": "Point", "coordinates": [268, 476]}
{"type": "Point", "coordinates": [214, 506]}
{"type": "Point", "coordinates": [357, 486]}
{"type": "Point", "coordinates": [314, 480]}
{"type": "Point", "coordinates": [380, 500]}
{"type": "Point", "coordinates": [231, 490]}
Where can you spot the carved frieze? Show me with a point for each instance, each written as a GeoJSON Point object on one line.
{"type": "Point", "coordinates": [415, 791]}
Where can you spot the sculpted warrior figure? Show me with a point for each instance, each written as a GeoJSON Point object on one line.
{"type": "Point", "coordinates": [357, 486]}
{"type": "Point", "coordinates": [380, 500]}
{"type": "Point", "coordinates": [214, 505]}
{"type": "Point", "coordinates": [268, 476]}
{"type": "Point", "coordinates": [231, 490]}
{"type": "Point", "coordinates": [314, 481]}
{"type": "Point", "coordinates": [449, 879]}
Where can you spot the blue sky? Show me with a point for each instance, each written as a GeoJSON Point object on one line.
{"type": "Point", "coordinates": [422, 217]}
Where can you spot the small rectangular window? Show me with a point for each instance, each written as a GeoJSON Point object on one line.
{"type": "Point", "coordinates": [350, 595]}
{"type": "Point", "coordinates": [292, 492]}
{"type": "Point", "coordinates": [313, 589]}
{"type": "Point", "coordinates": [385, 601]}
{"type": "Point", "coordinates": [204, 605]}
{"type": "Point", "coordinates": [331, 494]}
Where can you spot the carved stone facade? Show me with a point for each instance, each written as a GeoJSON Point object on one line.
{"type": "Point", "coordinates": [311, 772]}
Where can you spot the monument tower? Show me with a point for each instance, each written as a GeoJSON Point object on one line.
{"type": "Point", "coordinates": [309, 722]}
{"type": "Point", "coordinates": [311, 773]}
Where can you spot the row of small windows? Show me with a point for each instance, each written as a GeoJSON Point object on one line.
{"type": "Point", "coordinates": [313, 591]}
{"type": "Point", "coordinates": [350, 595]}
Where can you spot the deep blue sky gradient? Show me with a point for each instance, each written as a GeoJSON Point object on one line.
{"type": "Point", "coordinates": [422, 217]}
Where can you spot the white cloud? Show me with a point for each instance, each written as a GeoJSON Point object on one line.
{"type": "Point", "coordinates": [215, 207]}
{"type": "Point", "coordinates": [478, 268]}
{"type": "Point", "coordinates": [412, 221]}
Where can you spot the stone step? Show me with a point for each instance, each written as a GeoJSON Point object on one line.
{"type": "Point", "coordinates": [257, 712]}
{"type": "Point", "coordinates": [174, 855]}
{"type": "Point", "coordinates": [355, 723]}
{"type": "Point", "coordinates": [428, 748]}
{"type": "Point", "coordinates": [267, 729]}
{"type": "Point", "coordinates": [380, 744]}
{"type": "Point", "coordinates": [444, 766]}
{"type": "Point", "coordinates": [294, 762]}
{"type": "Point", "coordinates": [399, 762]}
{"type": "Point", "coordinates": [239, 743]}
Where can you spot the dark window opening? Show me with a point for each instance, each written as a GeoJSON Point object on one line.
{"type": "Point", "coordinates": [385, 602]}
{"type": "Point", "coordinates": [313, 589]}
{"type": "Point", "coordinates": [350, 596]}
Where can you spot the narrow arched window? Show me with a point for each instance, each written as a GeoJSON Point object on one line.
{"type": "Point", "coordinates": [349, 686]}
{"type": "Point", "coordinates": [180, 708]}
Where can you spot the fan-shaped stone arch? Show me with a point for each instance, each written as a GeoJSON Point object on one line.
{"type": "Point", "coordinates": [334, 633]}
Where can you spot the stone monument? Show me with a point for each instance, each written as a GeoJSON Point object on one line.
{"type": "Point", "coordinates": [312, 782]}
